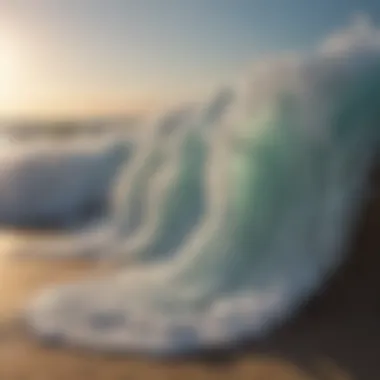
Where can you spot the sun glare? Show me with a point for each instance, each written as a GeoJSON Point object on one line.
{"type": "Point", "coordinates": [9, 69]}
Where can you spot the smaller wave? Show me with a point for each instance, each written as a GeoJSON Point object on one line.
{"type": "Point", "coordinates": [57, 184]}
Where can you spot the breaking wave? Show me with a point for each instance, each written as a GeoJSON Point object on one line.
{"type": "Point", "coordinates": [236, 211]}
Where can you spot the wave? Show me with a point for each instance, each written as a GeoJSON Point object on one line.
{"type": "Point", "coordinates": [46, 183]}
{"type": "Point", "coordinates": [237, 211]}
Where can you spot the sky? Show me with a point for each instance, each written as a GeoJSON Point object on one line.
{"type": "Point", "coordinates": [74, 58]}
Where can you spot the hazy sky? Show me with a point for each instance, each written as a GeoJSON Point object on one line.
{"type": "Point", "coordinates": [77, 57]}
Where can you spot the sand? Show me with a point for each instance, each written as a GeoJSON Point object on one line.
{"type": "Point", "coordinates": [335, 337]}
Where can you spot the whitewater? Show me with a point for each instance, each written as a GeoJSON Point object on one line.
{"type": "Point", "coordinates": [229, 215]}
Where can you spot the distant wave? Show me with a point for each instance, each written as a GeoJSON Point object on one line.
{"type": "Point", "coordinates": [47, 184]}
{"type": "Point", "coordinates": [236, 211]}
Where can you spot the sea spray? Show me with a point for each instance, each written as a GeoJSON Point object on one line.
{"type": "Point", "coordinates": [283, 177]}
{"type": "Point", "coordinates": [179, 184]}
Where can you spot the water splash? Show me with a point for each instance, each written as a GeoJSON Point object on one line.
{"type": "Point", "coordinates": [249, 210]}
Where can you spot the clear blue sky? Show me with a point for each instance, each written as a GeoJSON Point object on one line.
{"type": "Point", "coordinates": [84, 56]}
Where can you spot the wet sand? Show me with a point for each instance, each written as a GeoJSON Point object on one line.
{"type": "Point", "coordinates": [335, 337]}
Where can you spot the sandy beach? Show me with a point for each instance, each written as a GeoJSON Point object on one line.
{"type": "Point", "coordinates": [335, 337]}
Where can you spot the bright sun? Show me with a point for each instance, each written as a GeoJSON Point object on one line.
{"type": "Point", "coordinates": [9, 69]}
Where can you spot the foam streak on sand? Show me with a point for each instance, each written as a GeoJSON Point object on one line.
{"type": "Point", "coordinates": [253, 206]}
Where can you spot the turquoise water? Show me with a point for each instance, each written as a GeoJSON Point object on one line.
{"type": "Point", "coordinates": [245, 214]}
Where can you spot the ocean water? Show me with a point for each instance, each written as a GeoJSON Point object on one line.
{"type": "Point", "coordinates": [228, 216]}
{"type": "Point", "coordinates": [48, 183]}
